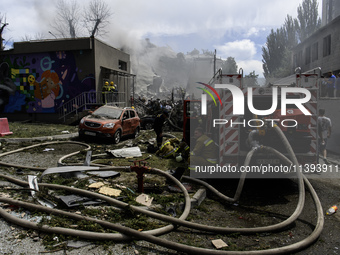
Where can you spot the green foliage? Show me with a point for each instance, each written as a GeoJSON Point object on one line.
{"type": "Point", "coordinates": [194, 52]}
{"type": "Point", "coordinates": [276, 53]}
{"type": "Point", "coordinates": [251, 79]}
{"type": "Point", "coordinates": [308, 20]}
{"type": "Point", "coordinates": [208, 52]}
{"type": "Point", "coordinates": [229, 65]}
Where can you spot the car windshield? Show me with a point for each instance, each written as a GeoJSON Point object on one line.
{"type": "Point", "coordinates": [108, 112]}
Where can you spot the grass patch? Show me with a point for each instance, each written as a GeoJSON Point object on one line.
{"type": "Point", "coordinates": [27, 130]}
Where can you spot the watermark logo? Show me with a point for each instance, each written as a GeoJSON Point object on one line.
{"type": "Point", "coordinates": [239, 99]}
{"type": "Point", "coordinates": [204, 97]}
{"type": "Point", "coordinates": [238, 105]}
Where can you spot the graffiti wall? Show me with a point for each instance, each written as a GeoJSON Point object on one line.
{"type": "Point", "coordinates": [40, 83]}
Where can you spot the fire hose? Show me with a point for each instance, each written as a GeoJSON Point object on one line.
{"type": "Point", "coordinates": [38, 145]}
{"type": "Point", "coordinates": [181, 222]}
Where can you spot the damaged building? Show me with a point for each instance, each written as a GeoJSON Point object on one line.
{"type": "Point", "coordinates": [54, 80]}
{"type": "Point", "coordinates": [322, 48]}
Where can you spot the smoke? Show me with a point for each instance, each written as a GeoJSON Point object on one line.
{"type": "Point", "coordinates": [148, 61]}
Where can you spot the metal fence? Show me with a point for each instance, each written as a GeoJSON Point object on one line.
{"type": "Point", "coordinates": [90, 100]}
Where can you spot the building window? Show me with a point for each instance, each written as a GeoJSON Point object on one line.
{"type": "Point", "coordinates": [327, 46]}
{"type": "Point", "coordinates": [315, 51]}
{"type": "Point", "coordinates": [122, 65]}
{"type": "Point", "coordinates": [307, 55]}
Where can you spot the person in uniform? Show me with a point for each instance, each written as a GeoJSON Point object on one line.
{"type": "Point", "coordinates": [113, 89]}
{"type": "Point", "coordinates": [325, 131]}
{"type": "Point", "coordinates": [158, 127]}
{"type": "Point", "coordinates": [104, 92]}
{"type": "Point", "coordinates": [205, 151]}
{"type": "Point", "coordinates": [172, 148]}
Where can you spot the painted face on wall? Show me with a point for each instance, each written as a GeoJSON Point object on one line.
{"type": "Point", "coordinates": [50, 85]}
{"type": "Point", "coordinates": [31, 79]}
{"type": "Point", "coordinates": [49, 82]}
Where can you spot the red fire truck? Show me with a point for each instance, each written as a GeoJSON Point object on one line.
{"type": "Point", "coordinates": [234, 133]}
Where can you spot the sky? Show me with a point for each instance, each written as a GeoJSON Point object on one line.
{"type": "Point", "coordinates": [234, 28]}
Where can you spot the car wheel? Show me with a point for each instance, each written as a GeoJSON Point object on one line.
{"type": "Point", "coordinates": [136, 132]}
{"type": "Point", "coordinates": [117, 136]}
{"type": "Point", "coordinates": [148, 125]}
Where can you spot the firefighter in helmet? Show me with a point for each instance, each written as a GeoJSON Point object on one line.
{"type": "Point", "coordinates": [106, 86]}
{"type": "Point", "coordinates": [172, 148]}
{"type": "Point", "coordinates": [205, 152]}
{"type": "Point", "coordinates": [112, 86]}
{"type": "Point", "coordinates": [105, 89]}
{"type": "Point", "coordinates": [113, 89]}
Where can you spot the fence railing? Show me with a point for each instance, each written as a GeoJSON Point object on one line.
{"type": "Point", "coordinates": [89, 100]}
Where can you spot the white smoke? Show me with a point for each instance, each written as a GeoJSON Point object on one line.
{"type": "Point", "coordinates": [149, 60]}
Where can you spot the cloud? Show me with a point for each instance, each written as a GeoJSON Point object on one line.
{"type": "Point", "coordinates": [29, 18]}
{"type": "Point", "coordinates": [177, 17]}
{"type": "Point", "coordinates": [254, 31]}
{"type": "Point", "coordinates": [244, 52]}
{"type": "Point", "coordinates": [233, 28]}
{"type": "Point", "coordinates": [154, 18]}
{"type": "Point", "coordinates": [249, 66]}
{"type": "Point", "coordinates": [240, 49]}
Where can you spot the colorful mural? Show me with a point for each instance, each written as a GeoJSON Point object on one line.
{"type": "Point", "coordinates": [7, 87]}
{"type": "Point", "coordinates": [40, 83]}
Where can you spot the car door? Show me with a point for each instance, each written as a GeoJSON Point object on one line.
{"type": "Point", "coordinates": [134, 120]}
{"type": "Point", "coordinates": [126, 123]}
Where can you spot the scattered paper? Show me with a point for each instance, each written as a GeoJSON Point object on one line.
{"type": "Point", "coordinates": [48, 149]}
{"type": "Point", "coordinates": [96, 185]}
{"type": "Point", "coordinates": [219, 243]}
{"type": "Point", "coordinates": [109, 191]}
{"type": "Point", "coordinates": [144, 199]}
{"type": "Point", "coordinates": [77, 244]}
{"type": "Point", "coordinates": [126, 152]}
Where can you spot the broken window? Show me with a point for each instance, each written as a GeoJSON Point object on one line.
{"type": "Point", "coordinates": [122, 65]}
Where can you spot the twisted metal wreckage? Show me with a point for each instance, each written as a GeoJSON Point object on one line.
{"type": "Point", "coordinates": [151, 236]}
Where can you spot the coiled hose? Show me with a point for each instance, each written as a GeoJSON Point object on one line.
{"type": "Point", "coordinates": [88, 147]}
{"type": "Point", "coordinates": [127, 232]}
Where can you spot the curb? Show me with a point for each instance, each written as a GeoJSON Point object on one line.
{"type": "Point", "coordinates": [39, 139]}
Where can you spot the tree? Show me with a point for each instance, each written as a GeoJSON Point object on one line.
{"type": "Point", "coordinates": [96, 17]}
{"type": "Point", "coordinates": [38, 36]}
{"type": "Point", "coordinates": [229, 65]}
{"type": "Point", "coordinates": [194, 52]}
{"type": "Point", "coordinates": [290, 32]}
{"type": "Point", "coordinates": [251, 79]}
{"type": "Point", "coordinates": [276, 54]}
{"type": "Point", "coordinates": [308, 20]}
{"type": "Point", "coordinates": [66, 23]}
{"type": "Point", "coordinates": [286, 68]}
{"type": "Point", "coordinates": [3, 24]}
{"type": "Point", "coordinates": [273, 51]}
{"type": "Point", "coordinates": [208, 52]}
